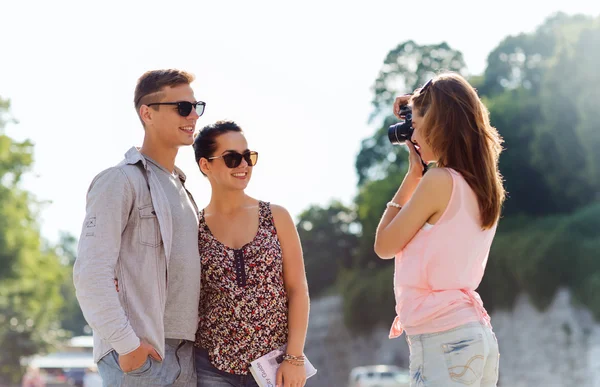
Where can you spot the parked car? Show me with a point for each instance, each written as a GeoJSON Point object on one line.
{"type": "Point", "coordinates": [379, 376]}
{"type": "Point", "coordinates": [66, 366]}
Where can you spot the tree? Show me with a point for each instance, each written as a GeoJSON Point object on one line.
{"type": "Point", "coordinates": [15, 158]}
{"type": "Point", "coordinates": [72, 319]}
{"type": "Point", "coordinates": [329, 238]}
{"type": "Point", "coordinates": [371, 201]}
{"type": "Point", "coordinates": [378, 158]}
{"type": "Point", "coordinates": [538, 255]}
{"type": "Point", "coordinates": [540, 90]}
{"type": "Point", "coordinates": [30, 271]}
{"type": "Point", "coordinates": [520, 61]}
{"type": "Point", "coordinates": [551, 122]}
{"type": "Point", "coordinates": [570, 126]}
{"type": "Point", "coordinates": [405, 68]}
{"type": "Point", "coordinates": [408, 66]}
{"type": "Point", "coordinates": [516, 113]}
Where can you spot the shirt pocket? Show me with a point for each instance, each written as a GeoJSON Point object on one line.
{"type": "Point", "coordinates": [149, 229]}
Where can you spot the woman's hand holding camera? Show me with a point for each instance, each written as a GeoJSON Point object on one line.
{"type": "Point", "coordinates": [400, 101]}
{"type": "Point", "coordinates": [415, 168]}
{"type": "Point", "coordinates": [415, 163]}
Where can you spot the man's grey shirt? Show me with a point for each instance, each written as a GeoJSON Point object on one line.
{"type": "Point", "coordinates": [128, 234]}
{"type": "Point", "coordinates": [181, 313]}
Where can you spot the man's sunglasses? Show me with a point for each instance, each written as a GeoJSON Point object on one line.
{"type": "Point", "coordinates": [184, 108]}
{"type": "Point", "coordinates": [234, 159]}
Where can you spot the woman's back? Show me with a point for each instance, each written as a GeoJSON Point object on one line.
{"type": "Point", "coordinates": [436, 274]}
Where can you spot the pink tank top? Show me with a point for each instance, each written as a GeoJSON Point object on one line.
{"type": "Point", "coordinates": [437, 273]}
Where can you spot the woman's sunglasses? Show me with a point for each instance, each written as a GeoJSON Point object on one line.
{"type": "Point", "coordinates": [426, 86]}
{"type": "Point", "coordinates": [233, 159]}
{"type": "Point", "coordinates": [184, 108]}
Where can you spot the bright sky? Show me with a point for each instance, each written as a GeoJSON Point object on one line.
{"type": "Point", "coordinates": [295, 75]}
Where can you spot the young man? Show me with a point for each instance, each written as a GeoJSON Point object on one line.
{"type": "Point", "coordinates": [141, 232]}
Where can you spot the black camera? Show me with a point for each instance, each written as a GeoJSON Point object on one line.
{"type": "Point", "coordinates": [402, 131]}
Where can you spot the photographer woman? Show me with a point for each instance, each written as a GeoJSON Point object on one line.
{"type": "Point", "coordinates": [254, 295]}
{"type": "Point", "coordinates": [439, 227]}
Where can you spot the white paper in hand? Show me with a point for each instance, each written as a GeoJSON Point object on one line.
{"type": "Point", "coordinates": [264, 369]}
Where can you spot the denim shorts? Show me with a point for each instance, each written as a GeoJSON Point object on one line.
{"type": "Point", "coordinates": [467, 355]}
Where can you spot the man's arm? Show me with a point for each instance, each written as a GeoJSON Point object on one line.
{"type": "Point", "coordinates": [109, 202]}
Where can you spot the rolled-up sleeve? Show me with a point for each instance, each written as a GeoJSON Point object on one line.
{"type": "Point", "coordinates": [108, 204]}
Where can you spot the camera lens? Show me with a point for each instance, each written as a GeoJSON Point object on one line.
{"type": "Point", "coordinates": [402, 131]}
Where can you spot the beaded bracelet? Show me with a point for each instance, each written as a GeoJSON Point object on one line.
{"type": "Point", "coordinates": [392, 204]}
{"type": "Point", "coordinates": [287, 356]}
{"type": "Point", "coordinates": [294, 362]}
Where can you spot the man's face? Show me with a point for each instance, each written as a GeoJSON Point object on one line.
{"type": "Point", "coordinates": [163, 122]}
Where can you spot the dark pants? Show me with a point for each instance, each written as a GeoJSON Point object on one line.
{"type": "Point", "coordinates": [210, 376]}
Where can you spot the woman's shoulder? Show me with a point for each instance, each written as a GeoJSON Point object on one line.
{"type": "Point", "coordinates": [437, 186]}
{"type": "Point", "coordinates": [276, 209]}
{"type": "Point", "coordinates": [439, 177]}
{"type": "Point", "coordinates": [280, 214]}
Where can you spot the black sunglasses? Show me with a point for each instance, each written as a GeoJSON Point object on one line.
{"type": "Point", "coordinates": [426, 86]}
{"type": "Point", "coordinates": [184, 108]}
{"type": "Point", "coordinates": [233, 159]}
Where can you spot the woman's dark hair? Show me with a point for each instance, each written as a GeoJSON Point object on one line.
{"type": "Point", "coordinates": [205, 142]}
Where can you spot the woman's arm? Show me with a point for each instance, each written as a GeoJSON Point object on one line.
{"type": "Point", "coordinates": [294, 278]}
{"type": "Point", "coordinates": [420, 200]}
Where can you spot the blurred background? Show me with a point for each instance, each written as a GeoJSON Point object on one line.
{"type": "Point", "coordinates": [311, 83]}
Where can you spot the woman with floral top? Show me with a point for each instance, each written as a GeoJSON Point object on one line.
{"type": "Point", "coordinates": [254, 296]}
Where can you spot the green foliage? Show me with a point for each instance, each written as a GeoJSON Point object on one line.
{"type": "Point", "coordinates": [371, 202]}
{"type": "Point", "coordinates": [329, 240]}
{"type": "Point", "coordinates": [368, 297]}
{"type": "Point", "coordinates": [30, 272]}
{"type": "Point", "coordinates": [515, 113]}
{"type": "Point", "coordinates": [72, 319]}
{"type": "Point", "coordinates": [378, 158]}
{"type": "Point", "coordinates": [569, 129]}
{"type": "Point", "coordinates": [410, 65]}
{"type": "Point", "coordinates": [520, 61]}
{"type": "Point", "coordinates": [539, 255]}
{"type": "Point", "coordinates": [29, 306]}
{"type": "Point", "coordinates": [17, 226]}
{"type": "Point", "coordinates": [542, 93]}
{"type": "Point", "coordinates": [405, 68]}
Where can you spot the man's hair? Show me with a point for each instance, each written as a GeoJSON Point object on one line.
{"type": "Point", "coordinates": [151, 83]}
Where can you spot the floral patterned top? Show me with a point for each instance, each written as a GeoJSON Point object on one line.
{"type": "Point", "coordinates": [243, 303]}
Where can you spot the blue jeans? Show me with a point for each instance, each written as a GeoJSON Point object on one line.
{"type": "Point", "coordinates": [464, 356]}
{"type": "Point", "coordinates": [210, 376]}
{"type": "Point", "coordinates": [176, 369]}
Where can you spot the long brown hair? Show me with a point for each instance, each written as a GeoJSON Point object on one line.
{"type": "Point", "coordinates": [457, 127]}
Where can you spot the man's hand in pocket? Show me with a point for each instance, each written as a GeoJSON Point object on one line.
{"type": "Point", "coordinates": [136, 359]}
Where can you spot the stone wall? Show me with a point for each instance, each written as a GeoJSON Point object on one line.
{"type": "Point", "coordinates": [554, 348]}
{"type": "Point", "coordinates": [559, 347]}
{"type": "Point", "coordinates": [334, 351]}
